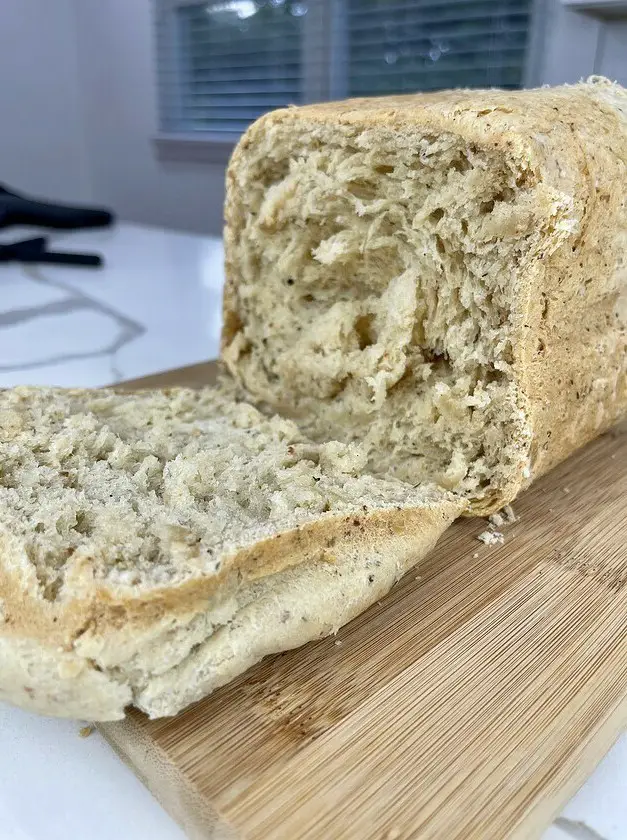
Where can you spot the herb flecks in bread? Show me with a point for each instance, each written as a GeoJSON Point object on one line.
{"type": "Point", "coordinates": [431, 288]}
{"type": "Point", "coordinates": [441, 275]}
{"type": "Point", "coordinates": [138, 531]}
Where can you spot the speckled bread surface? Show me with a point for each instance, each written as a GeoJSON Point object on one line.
{"type": "Point", "coordinates": [441, 276]}
{"type": "Point", "coordinates": [155, 545]}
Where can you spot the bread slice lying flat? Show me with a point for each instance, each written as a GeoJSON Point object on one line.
{"type": "Point", "coordinates": [155, 545]}
{"type": "Point", "coordinates": [443, 276]}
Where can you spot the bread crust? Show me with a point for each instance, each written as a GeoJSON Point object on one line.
{"type": "Point", "coordinates": [301, 604]}
{"type": "Point", "coordinates": [570, 312]}
{"type": "Point", "coordinates": [91, 656]}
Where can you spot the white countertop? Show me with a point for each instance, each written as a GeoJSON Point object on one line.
{"type": "Point", "coordinates": [155, 306]}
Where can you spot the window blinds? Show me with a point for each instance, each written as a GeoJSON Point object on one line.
{"type": "Point", "coordinates": [406, 46]}
{"type": "Point", "coordinates": [222, 64]}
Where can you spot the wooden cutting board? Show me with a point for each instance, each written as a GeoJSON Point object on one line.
{"type": "Point", "coordinates": [469, 704]}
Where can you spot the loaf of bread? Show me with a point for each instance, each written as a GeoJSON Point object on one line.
{"type": "Point", "coordinates": [155, 545]}
{"type": "Point", "coordinates": [440, 276]}
{"type": "Point", "coordinates": [427, 298]}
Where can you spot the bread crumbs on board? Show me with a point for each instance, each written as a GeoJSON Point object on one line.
{"type": "Point", "coordinates": [491, 537]}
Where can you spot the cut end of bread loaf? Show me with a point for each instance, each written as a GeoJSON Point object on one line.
{"type": "Point", "coordinates": [135, 529]}
{"type": "Point", "coordinates": [378, 280]}
{"type": "Point", "coordinates": [384, 259]}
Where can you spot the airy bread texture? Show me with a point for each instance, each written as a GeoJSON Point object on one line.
{"type": "Point", "coordinates": [439, 282]}
{"type": "Point", "coordinates": [440, 276]}
{"type": "Point", "coordinates": [155, 545]}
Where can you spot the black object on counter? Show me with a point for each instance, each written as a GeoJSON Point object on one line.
{"type": "Point", "coordinates": [16, 209]}
{"type": "Point", "coordinates": [35, 251]}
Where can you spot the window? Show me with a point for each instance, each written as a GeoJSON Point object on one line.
{"type": "Point", "coordinates": [230, 62]}
{"type": "Point", "coordinates": [406, 46]}
{"type": "Point", "coordinates": [223, 63]}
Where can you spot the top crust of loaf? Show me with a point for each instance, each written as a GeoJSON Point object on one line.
{"type": "Point", "coordinates": [568, 310]}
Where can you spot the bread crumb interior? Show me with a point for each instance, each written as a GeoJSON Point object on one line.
{"type": "Point", "coordinates": [154, 488]}
{"type": "Point", "coordinates": [374, 276]}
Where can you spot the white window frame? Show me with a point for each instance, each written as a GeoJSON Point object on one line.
{"type": "Point", "coordinates": [322, 73]}
{"type": "Point", "coordinates": [567, 38]}
{"type": "Point", "coordinates": [599, 8]}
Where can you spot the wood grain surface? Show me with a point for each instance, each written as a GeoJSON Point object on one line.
{"type": "Point", "coordinates": [469, 704]}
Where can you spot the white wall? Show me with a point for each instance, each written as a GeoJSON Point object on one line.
{"type": "Point", "coordinates": [612, 51]}
{"type": "Point", "coordinates": [577, 43]}
{"type": "Point", "coordinates": [42, 147]}
{"type": "Point", "coordinates": [118, 80]}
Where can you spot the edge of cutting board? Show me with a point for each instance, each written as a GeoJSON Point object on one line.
{"type": "Point", "coordinates": [192, 376]}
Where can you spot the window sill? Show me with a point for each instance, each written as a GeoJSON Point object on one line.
{"type": "Point", "coordinates": [599, 8]}
{"type": "Point", "coordinates": [195, 148]}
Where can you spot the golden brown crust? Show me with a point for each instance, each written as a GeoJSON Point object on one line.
{"type": "Point", "coordinates": [298, 605]}
{"type": "Point", "coordinates": [572, 364]}
{"type": "Point", "coordinates": [49, 654]}
{"type": "Point", "coordinates": [59, 624]}
{"type": "Point", "coordinates": [51, 637]}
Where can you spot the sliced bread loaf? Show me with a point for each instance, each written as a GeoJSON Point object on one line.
{"type": "Point", "coordinates": [443, 276]}
{"type": "Point", "coordinates": [155, 545]}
